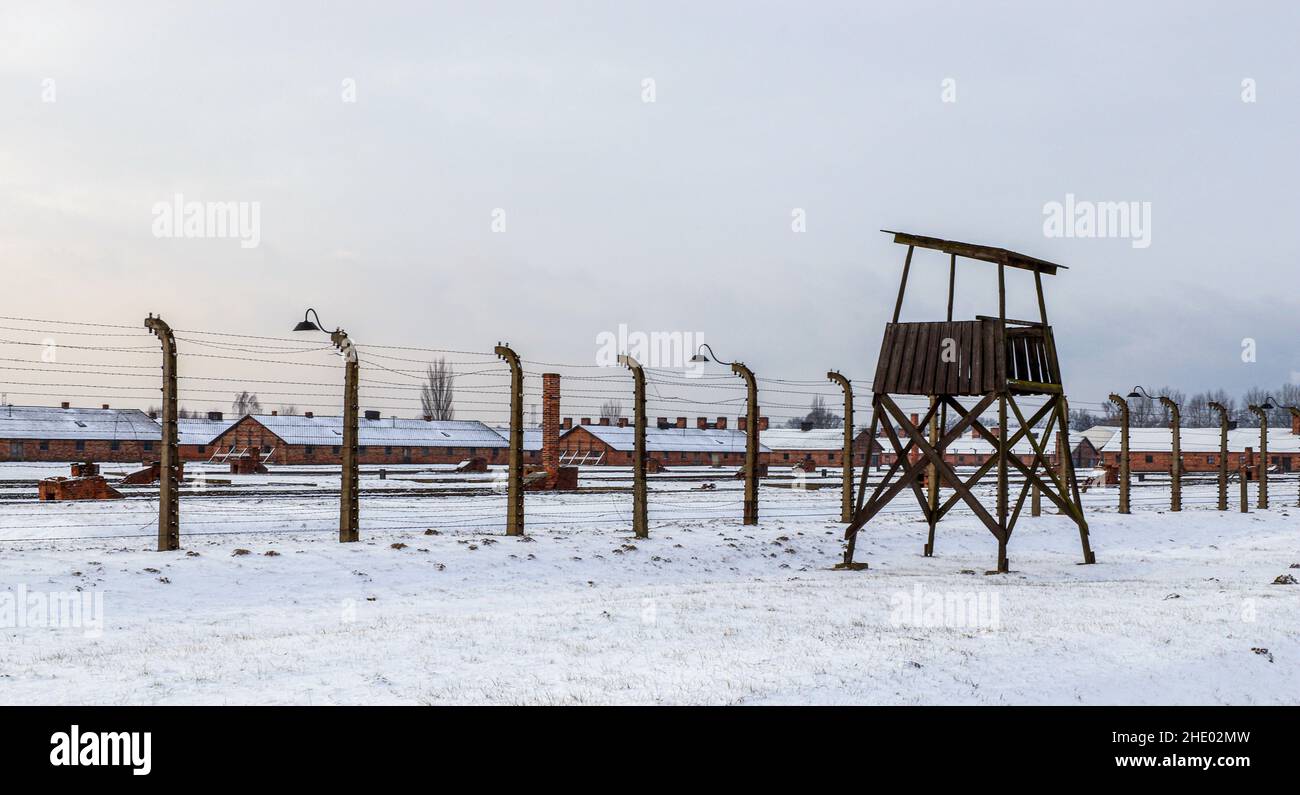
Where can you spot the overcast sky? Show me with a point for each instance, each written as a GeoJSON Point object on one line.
{"type": "Point", "coordinates": [671, 215]}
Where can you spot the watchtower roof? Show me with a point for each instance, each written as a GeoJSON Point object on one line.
{"type": "Point", "coordinates": [1002, 256]}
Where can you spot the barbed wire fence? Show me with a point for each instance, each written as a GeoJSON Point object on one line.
{"type": "Point", "coordinates": [404, 488]}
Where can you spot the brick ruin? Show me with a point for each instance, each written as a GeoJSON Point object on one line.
{"type": "Point", "coordinates": [550, 476]}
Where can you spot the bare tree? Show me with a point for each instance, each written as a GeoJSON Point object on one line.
{"type": "Point", "coordinates": [438, 392]}
{"type": "Point", "coordinates": [611, 410]}
{"type": "Point", "coordinates": [1229, 402]}
{"type": "Point", "coordinates": [289, 410]}
{"type": "Point", "coordinates": [1254, 396]}
{"type": "Point", "coordinates": [1082, 419]}
{"type": "Point", "coordinates": [246, 403]}
{"type": "Point", "coordinates": [1288, 395]}
{"type": "Point", "coordinates": [1195, 412]}
{"type": "Point", "coordinates": [1150, 412]}
{"type": "Point", "coordinates": [818, 417]}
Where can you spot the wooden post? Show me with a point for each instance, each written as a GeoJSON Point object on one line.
{"type": "Point", "coordinates": [169, 525]}
{"type": "Point", "coordinates": [939, 424]}
{"type": "Point", "coordinates": [1223, 453]}
{"type": "Point", "coordinates": [902, 285]}
{"type": "Point", "coordinates": [846, 476]}
{"type": "Point", "coordinates": [1063, 417]}
{"type": "Point", "coordinates": [1295, 423]}
{"type": "Point", "coordinates": [952, 282]}
{"type": "Point", "coordinates": [640, 517]}
{"type": "Point", "coordinates": [852, 538]}
{"type": "Point", "coordinates": [932, 479]}
{"type": "Point", "coordinates": [515, 465]}
{"type": "Point", "coordinates": [1035, 501]}
{"type": "Point", "coordinates": [1263, 462]}
{"type": "Point", "coordinates": [1062, 471]}
{"type": "Point", "coordinates": [1176, 456]}
{"type": "Point", "coordinates": [1042, 303]}
{"type": "Point", "coordinates": [1123, 452]}
{"type": "Point", "coordinates": [1262, 413]}
{"type": "Point", "coordinates": [349, 491]}
{"type": "Point", "coordinates": [1245, 498]}
{"type": "Point", "coordinates": [1003, 563]}
{"type": "Point", "coordinates": [751, 442]}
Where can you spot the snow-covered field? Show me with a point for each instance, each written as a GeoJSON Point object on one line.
{"type": "Point", "coordinates": [704, 611]}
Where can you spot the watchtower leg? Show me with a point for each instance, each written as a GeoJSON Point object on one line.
{"type": "Point", "coordinates": [1003, 563]}
{"type": "Point", "coordinates": [1067, 461]}
{"type": "Point", "coordinates": [932, 480]}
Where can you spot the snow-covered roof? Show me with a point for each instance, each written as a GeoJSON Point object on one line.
{"type": "Point", "coordinates": [200, 430]}
{"type": "Point", "coordinates": [43, 422]}
{"type": "Point", "coordinates": [532, 437]}
{"type": "Point", "coordinates": [386, 431]}
{"type": "Point", "coordinates": [674, 440]}
{"type": "Point", "coordinates": [794, 439]}
{"type": "Point", "coordinates": [1280, 440]}
{"type": "Point", "coordinates": [1203, 440]}
{"type": "Point", "coordinates": [1100, 434]}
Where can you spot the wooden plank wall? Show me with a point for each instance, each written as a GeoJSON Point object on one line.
{"type": "Point", "coordinates": [912, 358]}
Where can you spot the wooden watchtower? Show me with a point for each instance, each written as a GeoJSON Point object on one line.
{"type": "Point", "coordinates": [987, 361]}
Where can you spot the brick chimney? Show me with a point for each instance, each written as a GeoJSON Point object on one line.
{"type": "Point", "coordinates": [702, 423]}
{"type": "Point", "coordinates": [275, 413]}
{"type": "Point", "coordinates": [585, 420]}
{"type": "Point", "coordinates": [742, 424]}
{"type": "Point", "coordinates": [65, 404]}
{"type": "Point", "coordinates": [104, 407]}
{"type": "Point", "coordinates": [308, 414]}
{"type": "Point", "coordinates": [566, 423]}
{"type": "Point", "coordinates": [721, 424]}
{"type": "Point", "coordinates": [551, 423]}
{"type": "Point", "coordinates": [1295, 424]}
{"type": "Point", "coordinates": [661, 422]}
{"type": "Point", "coordinates": [622, 422]}
{"type": "Point", "coordinates": [914, 454]}
{"type": "Point", "coordinates": [681, 422]}
{"type": "Point", "coordinates": [762, 423]}
{"type": "Point", "coordinates": [604, 420]}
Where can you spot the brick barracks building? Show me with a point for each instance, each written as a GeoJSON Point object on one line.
{"type": "Point", "coordinates": [309, 439]}
{"type": "Point", "coordinates": [1151, 449]}
{"type": "Point", "coordinates": [532, 444]}
{"type": "Point", "coordinates": [196, 437]}
{"type": "Point", "coordinates": [611, 443]}
{"type": "Point", "coordinates": [972, 449]}
{"type": "Point", "coordinates": [40, 433]}
{"type": "Point", "coordinates": [823, 446]}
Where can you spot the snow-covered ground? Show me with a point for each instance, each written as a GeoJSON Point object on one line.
{"type": "Point", "coordinates": [704, 611]}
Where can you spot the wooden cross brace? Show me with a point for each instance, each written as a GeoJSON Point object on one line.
{"type": "Point", "coordinates": [1055, 487]}
{"type": "Point", "coordinates": [886, 490]}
